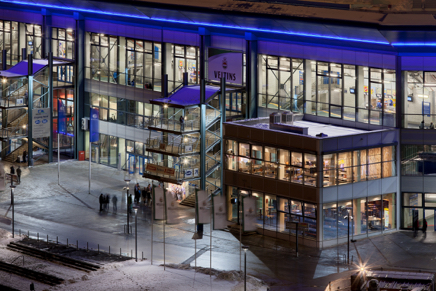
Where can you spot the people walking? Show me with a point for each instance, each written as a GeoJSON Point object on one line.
{"type": "Point", "coordinates": [24, 156]}
{"type": "Point", "coordinates": [101, 200]}
{"type": "Point", "coordinates": [149, 195]}
{"type": "Point", "coordinates": [182, 123]}
{"type": "Point", "coordinates": [129, 203]}
{"type": "Point", "coordinates": [12, 170]}
{"type": "Point", "coordinates": [137, 193]}
{"type": "Point", "coordinates": [114, 202]}
{"type": "Point", "coordinates": [108, 200]}
{"type": "Point", "coordinates": [424, 228]}
{"type": "Point", "coordinates": [19, 174]}
{"type": "Point", "coordinates": [144, 195]}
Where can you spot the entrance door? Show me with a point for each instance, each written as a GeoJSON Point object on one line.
{"type": "Point", "coordinates": [95, 153]}
{"type": "Point", "coordinates": [131, 163]}
{"type": "Point", "coordinates": [429, 215]}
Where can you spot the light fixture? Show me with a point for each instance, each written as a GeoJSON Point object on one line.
{"type": "Point", "coordinates": [24, 126]}
{"type": "Point", "coordinates": [185, 139]}
{"type": "Point", "coordinates": [69, 30]}
{"type": "Point", "coordinates": [4, 80]}
{"type": "Point", "coordinates": [165, 106]}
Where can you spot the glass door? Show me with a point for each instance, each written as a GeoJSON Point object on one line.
{"type": "Point", "coordinates": [131, 163]}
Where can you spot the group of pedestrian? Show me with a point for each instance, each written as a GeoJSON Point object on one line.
{"type": "Point", "coordinates": [105, 201]}
{"type": "Point", "coordinates": [18, 173]}
{"type": "Point", "coordinates": [416, 228]}
{"type": "Point", "coordinates": [143, 196]}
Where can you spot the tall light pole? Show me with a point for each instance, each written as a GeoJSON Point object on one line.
{"type": "Point", "coordinates": [127, 180]}
{"type": "Point", "coordinates": [245, 248]}
{"type": "Point", "coordinates": [12, 203]}
{"type": "Point", "coordinates": [136, 232]}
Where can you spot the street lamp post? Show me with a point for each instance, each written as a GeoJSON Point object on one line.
{"type": "Point", "coordinates": [13, 214]}
{"type": "Point", "coordinates": [127, 182]}
{"type": "Point", "coordinates": [136, 232]}
{"type": "Point", "coordinates": [245, 248]}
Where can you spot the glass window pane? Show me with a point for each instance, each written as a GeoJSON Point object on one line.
{"type": "Point", "coordinates": [270, 212]}
{"type": "Point", "coordinates": [310, 172]}
{"type": "Point", "coordinates": [344, 209]}
{"type": "Point", "coordinates": [389, 212]}
{"type": "Point", "coordinates": [412, 199]}
{"type": "Point", "coordinates": [309, 210]}
{"type": "Point", "coordinates": [359, 216]}
{"type": "Point", "coordinates": [244, 165]}
{"type": "Point", "coordinates": [244, 149]}
{"type": "Point", "coordinates": [330, 217]}
{"type": "Point", "coordinates": [374, 208]}
{"type": "Point", "coordinates": [329, 170]}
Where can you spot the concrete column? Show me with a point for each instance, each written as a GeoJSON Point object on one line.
{"type": "Point", "coordinates": [22, 39]}
{"type": "Point", "coordinates": [79, 71]}
{"type": "Point", "coordinates": [360, 95]}
{"type": "Point", "coordinates": [50, 105]}
{"type": "Point", "coordinates": [30, 108]}
{"type": "Point", "coordinates": [251, 75]}
{"type": "Point", "coordinates": [307, 75]}
{"type": "Point", "coordinates": [122, 61]}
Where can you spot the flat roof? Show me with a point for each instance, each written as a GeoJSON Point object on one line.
{"type": "Point", "coordinates": [314, 128]}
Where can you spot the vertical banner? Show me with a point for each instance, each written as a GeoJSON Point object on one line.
{"type": "Point", "coordinates": [93, 131]}
{"type": "Point", "coordinates": [158, 203]}
{"type": "Point", "coordinates": [249, 213]}
{"type": "Point", "coordinates": [62, 123]}
{"type": "Point", "coordinates": [219, 212]}
{"type": "Point", "coordinates": [203, 207]}
{"type": "Point", "coordinates": [171, 208]}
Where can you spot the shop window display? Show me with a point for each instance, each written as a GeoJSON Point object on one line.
{"type": "Point", "coordinates": [270, 212]}
{"type": "Point", "coordinates": [417, 160]}
{"type": "Point", "coordinates": [389, 212]}
{"type": "Point", "coordinates": [374, 210]}
{"type": "Point", "coordinates": [259, 209]}
{"type": "Point", "coordinates": [310, 172]}
{"type": "Point", "coordinates": [359, 216]}
{"type": "Point", "coordinates": [344, 210]}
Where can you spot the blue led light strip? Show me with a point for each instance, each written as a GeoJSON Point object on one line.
{"type": "Point", "coordinates": [414, 44]}
{"type": "Point", "coordinates": [77, 9]}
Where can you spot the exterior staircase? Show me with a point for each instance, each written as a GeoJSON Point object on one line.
{"type": "Point", "coordinates": [20, 121]}
{"type": "Point", "coordinates": [12, 157]}
{"type": "Point", "coordinates": [189, 201]}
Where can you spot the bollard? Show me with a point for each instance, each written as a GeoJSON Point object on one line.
{"type": "Point", "coordinates": [47, 240]}
{"type": "Point", "coordinates": [57, 240]}
{"type": "Point", "coordinates": [19, 231]}
{"type": "Point", "coordinates": [98, 248]}
{"type": "Point", "coordinates": [28, 234]}
{"type": "Point", "coordinates": [77, 245]}
{"type": "Point", "coordinates": [142, 256]}
{"type": "Point", "coordinates": [37, 234]}
{"type": "Point", "coordinates": [120, 252]}
{"type": "Point", "coordinates": [131, 253]}
{"type": "Point", "coordinates": [67, 242]}
{"type": "Point", "coordinates": [87, 247]}
{"type": "Point", "coordinates": [109, 250]}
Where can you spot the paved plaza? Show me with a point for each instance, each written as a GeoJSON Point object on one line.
{"type": "Point", "coordinates": [68, 211]}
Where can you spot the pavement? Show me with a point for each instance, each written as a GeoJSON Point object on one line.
{"type": "Point", "coordinates": [68, 212]}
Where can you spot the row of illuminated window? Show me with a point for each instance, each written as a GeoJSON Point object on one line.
{"type": "Point", "coordinates": [63, 43]}
{"type": "Point", "coordinates": [418, 160]}
{"type": "Point", "coordinates": [337, 90]}
{"type": "Point", "coordinates": [358, 165]}
{"type": "Point", "coordinates": [120, 110]}
{"type": "Point", "coordinates": [270, 162]}
{"type": "Point", "coordinates": [359, 216]}
{"type": "Point", "coordinates": [273, 212]}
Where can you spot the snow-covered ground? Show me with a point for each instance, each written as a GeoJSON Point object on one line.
{"type": "Point", "coordinates": [128, 275]}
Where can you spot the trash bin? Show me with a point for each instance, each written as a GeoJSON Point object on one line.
{"type": "Point", "coordinates": [81, 155]}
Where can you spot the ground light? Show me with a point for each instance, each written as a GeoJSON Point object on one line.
{"type": "Point", "coordinates": [127, 182]}
{"type": "Point", "coordinates": [245, 248]}
{"type": "Point", "coordinates": [136, 232]}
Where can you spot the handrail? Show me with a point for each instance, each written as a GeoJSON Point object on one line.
{"type": "Point", "coordinates": [17, 259]}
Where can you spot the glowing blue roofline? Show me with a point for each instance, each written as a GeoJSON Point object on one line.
{"type": "Point", "coordinates": [76, 9]}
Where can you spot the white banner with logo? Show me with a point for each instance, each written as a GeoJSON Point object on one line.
{"type": "Point", "coordinates": [189, 173]}
{"type": "Point", "coordinates": [172, 210]}
{"type": "Point", "coordinates": [219, 212]}
{"type": "Point", "coordinates": [203, 207]}
{"type": "Point", "coordinates": [158, 203]}
{"type": "Point", "coordinates": [40, 122]}
{"type": "Point", "coordinates": [249, 213]}
{"type": "Point", "coordinates": [225, 64]}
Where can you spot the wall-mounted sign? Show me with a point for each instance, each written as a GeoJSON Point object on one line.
{"type": "Point", "coordinates": [158, 203]}
{"type": "Point", "coordinates": [203, 207]}
{"type": "Point", "coordinates": [225, 64]}
{"type": "Point", "coordinates": [188, 148]}
{"type": "Point", "coordinates": [219, 212]}
{"type": "Point", "coordinates": [189, 173]}
{"type": "Point", "coordinates": [160, 170]}
{"type": "Point", "coordinates": [196, 172]}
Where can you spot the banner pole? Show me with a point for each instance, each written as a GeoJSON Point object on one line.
{"type": "Point", "coordinates": [152, 223]}
{"type": "Point", "coordinates": [240, 234]}
{"type": "Point", "coordinates": [196, 216]}
{"type": "Point", "coordinates": [211, 227]}
{"type": "Point", "coordinates": [90, 158]}
{"type": "Point", "coordinates": [59, 163]}
{"type": "Point", "coordinates": [164, 222]}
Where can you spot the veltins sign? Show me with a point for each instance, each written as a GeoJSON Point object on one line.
{"type": "Point", "coordinates": [203, 207]}
{"type": "Point", "coordinates": [225, 64]}
{"type": "Point", "coordinates": [41, 122]}
{"type": "Point", "coordinates": [172, 212]}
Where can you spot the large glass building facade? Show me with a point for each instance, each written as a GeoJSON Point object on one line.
{"type": "Point", "coordinates": [373, 79]}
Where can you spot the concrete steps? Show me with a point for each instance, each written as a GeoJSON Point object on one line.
{"type": "Point", "coordinates": [189, 201]}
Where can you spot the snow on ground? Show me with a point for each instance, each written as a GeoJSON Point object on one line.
{"type": "Point", "coordinates": [129, 275]}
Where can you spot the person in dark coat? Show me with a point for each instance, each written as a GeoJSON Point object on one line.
{"type": "Point", "coordinates": [149, 195]}
{"type": "Point", "coordinates": [144, 194]}
{"type": "Point", "coordinates": [24, 156]}
{"type": "Point", "coordinates": [19, 174]}
{"type": "Point", "coordinates": [12, 170]}
{"type": "Point", "coordinates": [129, 203]}
{"type": "Point", "coordinates": [114, 202]}
{"type": "Point", "coordinates": [424, 227]}
{"type": "Point", "coordinates": [137, 193]}
{"type": "Point", "coordinates": [101, 200]}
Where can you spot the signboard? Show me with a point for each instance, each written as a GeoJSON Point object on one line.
{"type": "Point", "coordinates": [196, 172]}
{"type": "Point", "coordinates": [203, 207]}
{"type": "Point", "coordinates": [225, 64]}
{"type": "Point", "coordinates": [249, 213]}
{"type": "Point", "coordinates": [426, 108]}
{"type": "Point", "coordinates": [188, 148]}
{"type": "Point", "coordinates": [171, 208]}
{"type": "Point", "coordinates": [219, 212]}
{"type": "Point", "coordinates": [158, 203]}
{"type": "Point", "coordinates": [19, 101]}
{"type": "Point", "coordinates": [160, 170]}
{"type": "Point", "coordinates": [41, 122]}
{"type": "Point", "coordinates": [189, 173]}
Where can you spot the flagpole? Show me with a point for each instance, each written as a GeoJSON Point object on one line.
{"type": "Point", "coordinates": [90, 144]}
{"type": "Point", "coordinates": [59, 162]}
{"type": "Point", "coordinates": [211, 227]}
{"type": "Point", "coordinates": [164, 222]}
